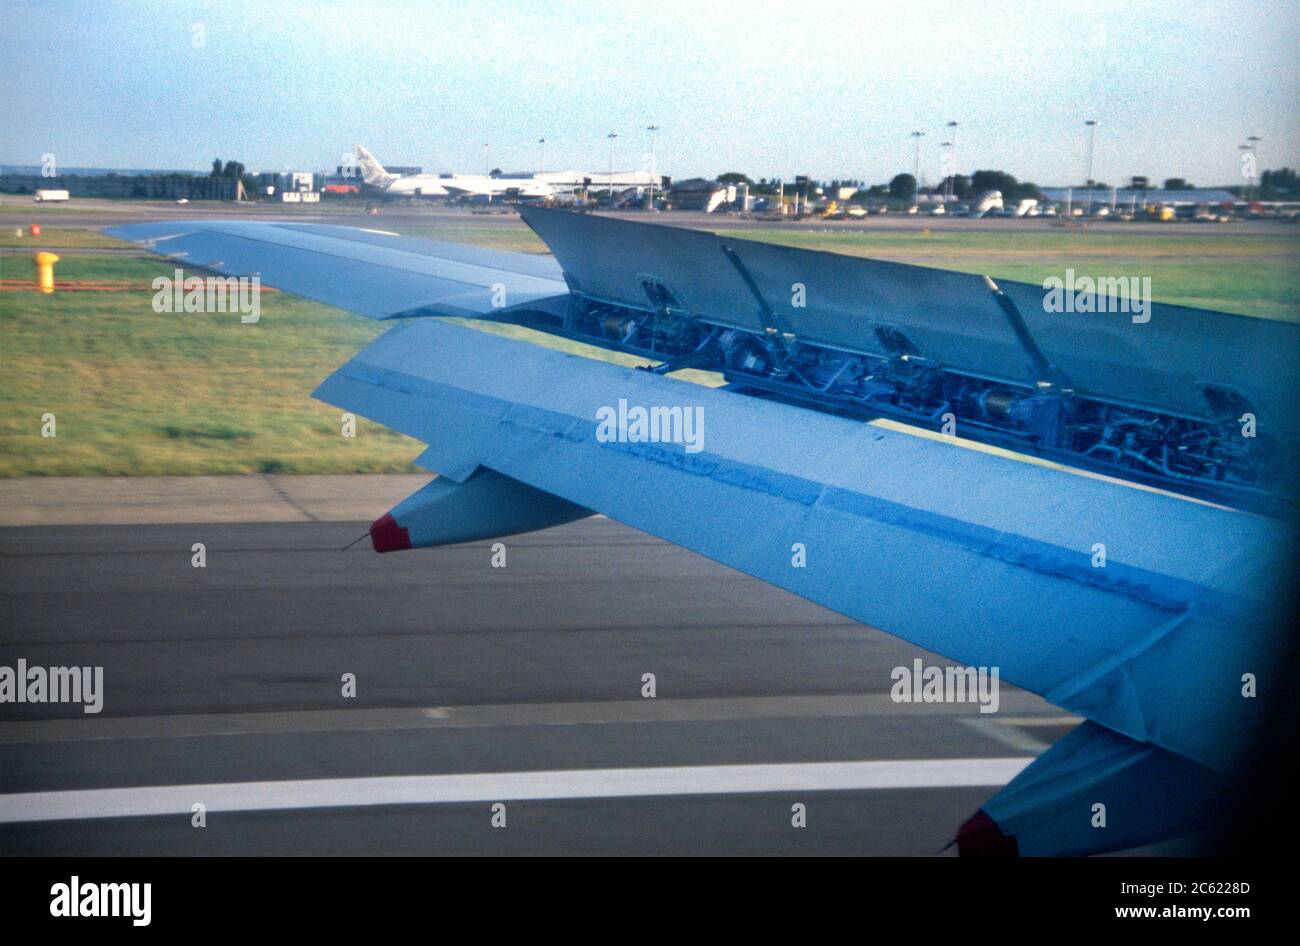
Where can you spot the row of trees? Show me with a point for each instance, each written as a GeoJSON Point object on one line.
{"type": "Point", "coordinates": [234, 170]}
{"type": "Point", "coordinates": [902, 187]}
{"type": "Point", "coordinates": [231, 169]}
{"type": "Point", "coordinates": [1281, 184]}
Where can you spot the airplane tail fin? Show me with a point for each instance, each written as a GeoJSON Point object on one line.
{"type": "Point", "coordinates": [372, 172]}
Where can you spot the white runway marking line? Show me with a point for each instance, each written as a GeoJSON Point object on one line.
{"type": "Point", "coordinates": [153, 801]}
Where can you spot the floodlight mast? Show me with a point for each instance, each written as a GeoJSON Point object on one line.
{"type": "Point", "coordinates": [654, 174]}
{"type": "Point", "coordinates": [1091, 125]}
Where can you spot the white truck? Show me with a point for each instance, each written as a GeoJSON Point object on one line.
{"type": "Point", "coordinates": [48, 196]}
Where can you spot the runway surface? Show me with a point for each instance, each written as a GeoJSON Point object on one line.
{"type": "Point", "coordinates": [475, 686]}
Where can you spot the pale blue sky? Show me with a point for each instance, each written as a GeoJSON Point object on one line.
{"type": "Point", "coordinates": [829, 89]}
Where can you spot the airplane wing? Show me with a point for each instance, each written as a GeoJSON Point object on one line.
{"type": "Point", "coordinates": [370, 272]}
{"type": "Point", "coordinates": [986, 559]}
{"type": "Point", "coordinates": [457, 189]}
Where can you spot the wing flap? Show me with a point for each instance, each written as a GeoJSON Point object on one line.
{"type": "Point", "coordinates": [980, 558]}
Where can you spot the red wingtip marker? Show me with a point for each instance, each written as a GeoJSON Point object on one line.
{"type": "Point", "coordinates": [980, 836]}
{"type": "Point", "coordinates": [388, 536]}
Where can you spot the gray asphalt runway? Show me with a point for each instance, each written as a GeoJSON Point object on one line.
{"type": "Point", "coordinates": [474, 685]}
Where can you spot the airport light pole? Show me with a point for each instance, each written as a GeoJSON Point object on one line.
{"type": "Point", "coordinates": [653, 169]}
{"type": "Point", "coordinates": [946, 176]}
{"type": "Point", "coordinates": [1091, 125]}
{"type": "Point", "coordinates": [951, 187]}
{"type": "Point", "coordinates": [916, 165]}
{"type": "Point", "coordinates": [487, 159]}
{"type": "Point", "coordinates": [1252, 141]}
{"type": "Point", "coordinates": [612, 136]}
{"type": "Point", "coordinates": [542, 171]}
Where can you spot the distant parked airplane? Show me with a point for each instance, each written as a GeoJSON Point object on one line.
{"type": "Point", "coordinates": [455, 185]}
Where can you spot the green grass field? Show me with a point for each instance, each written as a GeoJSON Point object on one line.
{"type": "Point", "coordinates": [58, 238]}
{"type": "Point", "coordinates": [516, 239]}
{"type": "Point", "coordinates": [1244, 273]}
{"type": "Point", "coordinates": [16, 209]}
{"type": "Point", "coordinates": [137, 392]}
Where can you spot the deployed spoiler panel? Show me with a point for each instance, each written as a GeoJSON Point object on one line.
{"type": "Point", "coordinates": [1172, 360]}
{"type": "Point", "coordinates": [1165, 363]}
{"type": "Point", "coordinates": [865, 305]}
{"type": "Point", "coordinates": [612, 261]}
